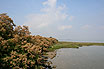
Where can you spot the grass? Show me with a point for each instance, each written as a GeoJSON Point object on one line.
{"type": "Point", "coordinates": [72, 45]}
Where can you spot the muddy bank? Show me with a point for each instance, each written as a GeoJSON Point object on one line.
{"type": "Point", "coordinates": [51, 55]}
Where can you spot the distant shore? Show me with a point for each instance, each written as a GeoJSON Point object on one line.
{"type": "Point", "coordinates": [52, 51]}
{"type": "Point", "coordinates": [97, 41]}
{"type": "Point", "coordinates": [73, 45]}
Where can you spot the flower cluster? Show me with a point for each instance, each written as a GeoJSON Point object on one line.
{"type": "Point", "coordinates": [19, 49]}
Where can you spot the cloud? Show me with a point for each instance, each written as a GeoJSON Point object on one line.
{"type": "Point", "coordinates": [86, 27]}
{"type": "Point", "coordinates": [101, 27]}
{"type": "Point", "coordinates": [71, 18]}
{"type": "Point", "coordinates": [51, 3]}
{"type": "Point", "coordinates": [51, 16]}
{"type": "Point", "coordinates": [65, 27]}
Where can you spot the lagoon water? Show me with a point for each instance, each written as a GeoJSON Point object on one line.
{"type": "Point", "coordinates": [87, 57]}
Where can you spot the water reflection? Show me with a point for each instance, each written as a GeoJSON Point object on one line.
{"type": "Point", "coordinates": [91, 57]}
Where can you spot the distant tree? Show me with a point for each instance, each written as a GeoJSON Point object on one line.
{"type": "Point", "coordinates": [50, 37]}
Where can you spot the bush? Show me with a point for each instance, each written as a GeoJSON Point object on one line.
{"type": "Point", "coordinates": [19, 49]}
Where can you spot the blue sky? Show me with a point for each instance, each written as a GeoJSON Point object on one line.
{"type": "Point", "coordinates": [62, 19]}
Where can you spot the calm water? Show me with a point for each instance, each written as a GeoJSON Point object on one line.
{"type": "Point", "coordinates": [83, 58]}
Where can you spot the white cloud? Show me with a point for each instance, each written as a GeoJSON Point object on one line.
{"type": "Point", "coordinates": [86, 27]}
{"type": "Point", "coordinates": [71, 18]}
{"type": "Point", "coordinates": [50, 18]}
{"type": "Point", "coordinates": [65, 27]}
{"type": "Point", "coordinates": [102, 27]}
{"type": "Point", "coordinates": [51, 3]}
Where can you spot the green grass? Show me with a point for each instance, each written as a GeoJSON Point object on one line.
{"type": "Point", "coordinates": [72, 45]}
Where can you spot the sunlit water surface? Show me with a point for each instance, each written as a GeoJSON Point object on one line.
{"type": "Point", "coordinates": [88, 57]}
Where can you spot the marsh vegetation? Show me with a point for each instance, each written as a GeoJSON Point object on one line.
{"type": "Point", "coordinates": [72, 45]}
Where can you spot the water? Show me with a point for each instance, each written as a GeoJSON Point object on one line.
{"type": "Point", "coordinates": [83, 58]}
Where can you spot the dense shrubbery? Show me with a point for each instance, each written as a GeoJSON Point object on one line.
{"type": "Point", "coordinates": [19, 49]}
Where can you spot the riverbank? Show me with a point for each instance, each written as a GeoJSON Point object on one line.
{"type": "Point", "coordinates": [72, 45]}
{"type": "Point", "coordinates": [52, 51]}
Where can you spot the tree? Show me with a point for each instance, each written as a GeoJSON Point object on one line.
{"type": "Point", "coordinates": [6, 26]}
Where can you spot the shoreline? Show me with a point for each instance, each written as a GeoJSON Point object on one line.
{"type": "Point", "coordinates": [53, 50]}
{"type": "Point", "coordinates": [83, 41]}
{"type": "Point", "coordinates": [72, 45]}
{"type": "Point", "coordinates": [51, 54]}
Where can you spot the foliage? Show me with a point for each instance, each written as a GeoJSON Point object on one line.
{"type": "Point", "coordinates": [6, 26]}
{"type": "Point", "coordinates": [19, 49]}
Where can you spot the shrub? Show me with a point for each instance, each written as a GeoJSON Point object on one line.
{"type": "Point", "coordinates": [19, 49]}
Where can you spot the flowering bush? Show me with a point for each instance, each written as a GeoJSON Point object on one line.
{"type": "Point", "coordinates": [19, 49]}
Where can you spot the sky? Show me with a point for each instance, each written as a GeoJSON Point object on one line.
{"type": "Point", "coordinates": [62, 19]}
